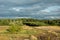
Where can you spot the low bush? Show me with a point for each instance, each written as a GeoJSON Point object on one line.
{"type": "Point", "coordinates": [34, 23]}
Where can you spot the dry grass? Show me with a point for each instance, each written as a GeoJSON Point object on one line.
{"type": "Point", "coordinates": [54, 28]}
{"type": "Point", "coordinates": [3, 28]}
{"type": "Point", "coordinates": [4, 37]}
{"type": "Point", "coordinates": [8, 36]}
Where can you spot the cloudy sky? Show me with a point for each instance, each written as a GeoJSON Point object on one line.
{"type": "Point", "coordinates": [30, 8]}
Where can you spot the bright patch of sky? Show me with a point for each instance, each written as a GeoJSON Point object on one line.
{"type": "Point", "coordinates": [52, 8]}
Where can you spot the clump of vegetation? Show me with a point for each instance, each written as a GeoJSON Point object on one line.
{"type": "Point", "coordinates": [14, 28]}
{"type": "Point", "coordinates": [34, 23]}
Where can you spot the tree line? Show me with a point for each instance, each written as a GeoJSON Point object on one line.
{"type": "Point", "coordinates": [30, 22]}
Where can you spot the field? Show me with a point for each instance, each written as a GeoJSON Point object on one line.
{"type": "Point", "coordinates": [29, 29]}
{"type": "Point", "coordinates": [48, 28]}
{"type": "Point", "coordinates": [53, 29]}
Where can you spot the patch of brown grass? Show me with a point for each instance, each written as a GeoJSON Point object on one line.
{"type": "Point", "coordinates": [3, 28]}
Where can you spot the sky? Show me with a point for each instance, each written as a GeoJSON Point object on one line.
{"type": "Point", "coordinates": [30, 8]}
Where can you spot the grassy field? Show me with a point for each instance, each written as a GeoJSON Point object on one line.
{"type": "Point", "coordinates": [29, 29]}
{"type": "Point", "coordinates": [41, 31]}
{"type": "Point", "coordinates": [3, 28]}
{"type": "Point", "coordinates": [52, 28]}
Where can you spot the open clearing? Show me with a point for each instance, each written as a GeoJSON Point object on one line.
{"type": "Point", "coordinates": [17, 36]}
{"type": "Point", "coordinates": [2, 28]}
{"type": "Point", "coordinates": [53, 28]}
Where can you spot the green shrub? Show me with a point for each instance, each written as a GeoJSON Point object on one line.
{"type": "Point", "coordinates": [14, 28]}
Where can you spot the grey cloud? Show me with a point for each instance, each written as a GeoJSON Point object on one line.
{"type": "Point", "coordinates": [29, 7]}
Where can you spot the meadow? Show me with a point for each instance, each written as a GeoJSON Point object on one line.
{"type": "Point", "coordinates": [29, 29]}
